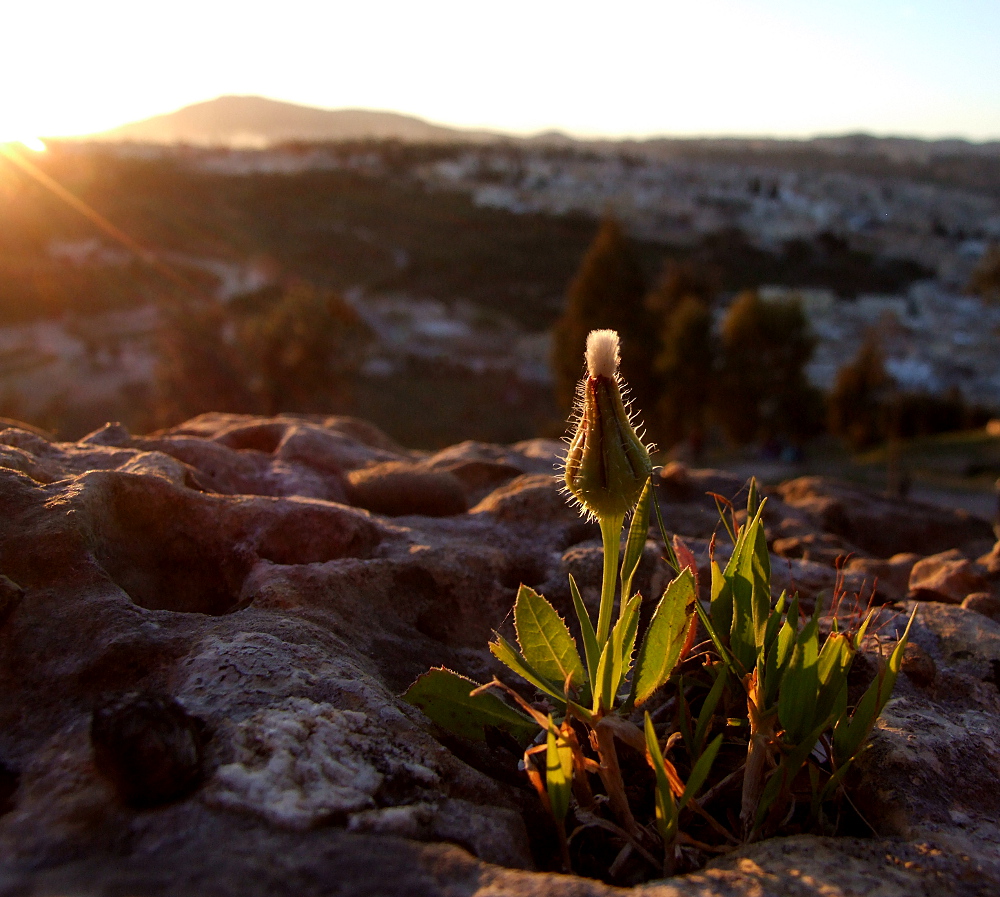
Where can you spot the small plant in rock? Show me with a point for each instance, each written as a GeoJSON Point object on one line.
{"type": "Point", "coordinates": [675, 750]}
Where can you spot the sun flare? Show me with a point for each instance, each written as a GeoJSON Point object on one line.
{"type": "Point", "coordinates": [35, 144]}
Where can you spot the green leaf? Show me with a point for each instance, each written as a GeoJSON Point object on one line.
{"type": "Point", "coordinates": [748, 574]}
{"type": "Point", "coordinates": [761, 581]}
{"type": "Point", "coordinates": [666, 808]}
{"type": "Point", "coordinates": [558, 772]}
{"type": "Point", "coordinates": [780, 653]}
{"type": "Point", "coordinates": [668, 547]}
{"type": "Point", "coordinates": [445, 698]}
{"type": "Point", "coordinates": [665, 637]}
{"type": "Point", "coordinates": [623, 641]}
{"type": "Point", "coordinates": [604, 686]}
{"type": "Point", "coordinates": [851, 733]}
{"type": "Point", "coordinates": [776, 662]}
{"type": "Point", "coordinates": [545, 640]}
{"type": "Point", "coordinates": [784, 776]}
{"type": "Point", "coordinates": [708, 708]}
{"type": "Point", "coordinates": [834, 781]}
{"type": "Point", "coordinates": [834, 663]}
{"type": "Point", "coordinates": [700, 772]}
{"type": "Point", "coordinates": [859, 636]}
{"type": "Point", "coordinates": [774, 621]}
{"type": "Point", "coordinates": [799, 686]}
{"type": "Point", "coordinates": [507, 654]}
{"type": "Point", "coordinates": [722, 601]}
{"type": "Point", "coordinates": [713, 634]}
{"type": "Point", "coordinates": [636, 542]}
{"type": "Point", "coordinates": [590, 648]}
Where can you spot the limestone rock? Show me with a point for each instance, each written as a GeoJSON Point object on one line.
{"type": "Point", "coordinates": [890, 577]}
{"type": "Point", "coordinates": [820, 547]}
{"type": "Point", "coordinates": [947, 576]}
{"type": "Point", "coordinates": [220, 579]}
{"type": "Point", "coordinates": [990, 562]}
{"type": "Point", "coordinates": [918, 665]}
{"type": "Point", "coordinates": [881, 525]}
{"type": "Point", "coordinates": [397, 489]}
{"type": "Point", "coordinates": [985, 603]}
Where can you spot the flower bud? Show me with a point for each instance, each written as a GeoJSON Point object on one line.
{"type": "Point", "coordinates": [607, 464]}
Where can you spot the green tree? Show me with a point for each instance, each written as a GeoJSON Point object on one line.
{"type": "Point", "coordinates": [199, 368]}
{"type": "Point", "coordinates": [763, 391]}
{"type": "Point", "coordinates": [859, 402]}
{"type": "Point", "coordinates": [607, 292]}
{"type": "Point", "coordinates": [679, 281]}
{"type": "Point", "coordinates": [686, 365]}
{"type": "Point", "coordinates": [303, 349]}
{"type": "Point", "coordinates": [985, 280]}
{"type": "Point", "coordinates": [681, 302]}
{"type": "Point", "coordinates": [279, 349]}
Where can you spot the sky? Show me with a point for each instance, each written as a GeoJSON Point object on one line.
{"type": "Point", "coordinates": [629, 68]}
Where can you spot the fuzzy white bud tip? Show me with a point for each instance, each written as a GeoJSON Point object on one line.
{"type": "Point", "coordinates": [602, 353]}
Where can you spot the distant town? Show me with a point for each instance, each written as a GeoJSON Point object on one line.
{"type": "Point", "coordinates": [900, 212]}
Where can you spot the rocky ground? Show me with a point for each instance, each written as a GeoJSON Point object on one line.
{"type": "Point", "coordinates": [205, 632]}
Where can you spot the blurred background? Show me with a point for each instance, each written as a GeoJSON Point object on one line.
{"type": "Point", "coordinates": [414, 213]}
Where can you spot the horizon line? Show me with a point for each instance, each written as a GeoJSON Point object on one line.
{"type": "Point", "coordinates": [554, 130]}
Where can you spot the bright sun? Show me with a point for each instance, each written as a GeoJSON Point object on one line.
{"type": "Point", "coordinates": [33, 143]}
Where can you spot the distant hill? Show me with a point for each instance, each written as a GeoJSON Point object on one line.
{"type": "Point", "coordinates": [257, 122]}
{"type": "Point", "coordinates": [248, 121]}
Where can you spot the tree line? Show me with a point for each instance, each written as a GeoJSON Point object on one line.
{"type": "Point", "coordinates": [745, 377]}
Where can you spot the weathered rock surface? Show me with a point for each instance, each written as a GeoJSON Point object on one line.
{"type": "Point", "coordinates": [947, 576]}
{"type": "Point", "coordinates": [881, 525]}
{"type": "Point", "coordinates": [891, 575]}
{"type": "Point", "coordinates": [204, 633]}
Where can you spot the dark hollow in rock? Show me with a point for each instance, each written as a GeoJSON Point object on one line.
{"type": "Point", "coordinates": [10, 597]}
{"type": "Point", "coordinates": [149, 747]}
{"type": "Point", "coordinates": [8, 786]}
{"type": "Point", "coordinates": [918, 665]}
{"type": "Point", "coordinates": [165, 550]}
{"type": "Point", "coordinates": [994, 676]}
{"type": "Point", "coordinates": [397, 489]}
{"type": "Point", "coordinates": [173, 549]}
{"type": "Point", "coordinates": [523, 570]}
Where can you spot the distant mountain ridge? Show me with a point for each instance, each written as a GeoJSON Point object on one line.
{"type": "Point", "coordinates": [248, 121]}
{"type": "Point", "coordinates": [251, 121]}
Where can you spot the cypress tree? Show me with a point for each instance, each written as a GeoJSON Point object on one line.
{"type": "Point", "coordinates": [763, 391]}
{"type": "Point", "coordinates": [686, 365]}
{"type": "Point", "coordinates": [985, 280]}
{"type": "Point", "coordinates": [607, 292]}
{"type": "Point", "coordinates": [859, 402]}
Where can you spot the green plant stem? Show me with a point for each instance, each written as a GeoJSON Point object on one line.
{"type": "Point", "coordinates": [611, 534]}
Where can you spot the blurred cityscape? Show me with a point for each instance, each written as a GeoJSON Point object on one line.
{"type": "Point", "coordinates": [452, 260]}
